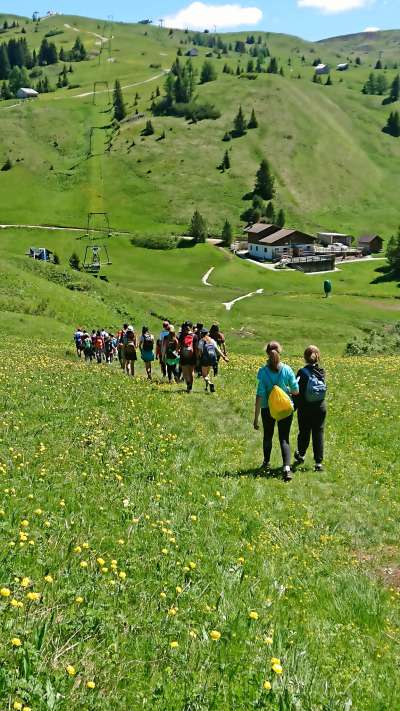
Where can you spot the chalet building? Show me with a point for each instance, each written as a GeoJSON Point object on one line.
{"type": "Point", "coordinates": [192, 52]}
{"type": "Point", "coordinates": [342, 67]}
{"type": "Point", "coordinates": [27, 93]}
{"type": "Point", "coordinates": [329, 238]}
{"type": "Point", "coordinates": [269, 242]}
{"type": "Point", "coordinates": [321, 69]}
{"type": "Point", "coordinates": [370, 244]}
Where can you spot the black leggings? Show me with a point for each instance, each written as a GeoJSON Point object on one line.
{"type": "Point", "coordinates": [171, 369]}
{"type": "Point", "coordinates": [284, 432]}
{"type": "Point", "coordinates": [311, 422]}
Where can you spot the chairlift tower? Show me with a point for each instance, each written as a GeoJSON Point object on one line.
{"type": "Point", "coordinates": [107, 90]}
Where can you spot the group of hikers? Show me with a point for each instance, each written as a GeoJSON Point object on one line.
{"type": "Point", "coordinates": [193, 349]}
{"type": "Point", "coordinates": [197, 350]}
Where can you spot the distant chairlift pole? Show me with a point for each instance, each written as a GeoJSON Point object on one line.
{"type": "Point", "coordinates": [106, 90]}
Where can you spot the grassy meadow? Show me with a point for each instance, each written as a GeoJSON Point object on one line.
{"type": "Point", "coordinates": [146, 564]}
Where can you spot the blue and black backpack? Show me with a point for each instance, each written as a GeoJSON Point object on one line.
{"type": "Point", "coordinates": [316, 386]}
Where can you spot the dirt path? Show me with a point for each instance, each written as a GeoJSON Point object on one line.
{"type": "Point", "coordinates": [206, 276]}
{"type": "Point", "coordinates": [126, 86]}
{"type": "Point", "coordinates": [228, 304]}
{"type": "Point", "coordinates": [88, 32]}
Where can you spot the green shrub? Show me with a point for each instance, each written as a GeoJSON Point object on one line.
{"type": "Point", "coordinates": [155, 241]}
{"type": "Point", "coordinates": [385, 341]}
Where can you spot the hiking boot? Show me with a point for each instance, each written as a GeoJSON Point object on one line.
{"type": "Point", "coordinates": [207, 384]}
{"type": "Point", "coordinates": [299, 459]}
{"type": "Point", "coordinates": [265, 467]}
{"type": "Point", "coordinates": [319, 468]}
{"type": "Point", "coordinates": [212, 388]}
{"type": "Point", "coordinates": [189, 388]}
{"type": "Point", "coordinates": [287, 474]}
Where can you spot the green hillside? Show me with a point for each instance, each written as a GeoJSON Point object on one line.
{"type": "Point", "coordinates": [335, 169]}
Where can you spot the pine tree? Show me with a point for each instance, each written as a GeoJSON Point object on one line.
{"type": "Point", "coordinates": [227, 234]}
{"type": "Point", "coordinates": [4, 62]}
{"type": "Point", "coordinates": [118, 102]}
{"type": "Point", "coordinates": [250, 66]}
{"type": "Point", "coordinates": [378, 65]}
{"type": "Point", "coordinates": [5, 92]}
{"type": "Point", "coordinates": [239, 123]}
{"type": "Point", "coordinates": [381, 85]}
{"type": "Point", "coordinates": [370, 86]}
{"type": "Point", "coordinates": [393, 253]}
{"type": "Point", "coordinates": [74, 261]}
{"type": "Point", "coordinates": [393, 125]}
{"type": "Point", "coordinates": [208, 72]}
{"type": "Point", "coordinates": [395, 89]}
{"type": "Point", "coordinates": [270, 213]}
{"type": "Point", "coordinates": [226, 161]}
{"type": "Point", "coordinates": [264, 185]}
{"type": "Point", "coordinates": [148, 129]}
{"type": "Point", "coordinates": [253, 123]}
{"type": "Point", "coordinates": [273, 66]}
{"type": "Point", "coordinates": [280, 219]}
{"type": "Point", "coordinates": [198, 227]}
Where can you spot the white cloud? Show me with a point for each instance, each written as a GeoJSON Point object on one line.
{"type": "Point", "coordinates": [372, 29]}
{"type": "Point", "coordinates": [200, 16]}
{"type": "Point", "coordinates": [333, 6]}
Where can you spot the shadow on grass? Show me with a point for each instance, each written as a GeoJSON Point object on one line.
{"type": "Point", "coordinates": [256, 473]}
{"type": "Point", "coordinates": [386, 275]}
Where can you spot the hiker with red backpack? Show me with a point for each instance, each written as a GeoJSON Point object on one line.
{"type": "Point", "coordinates": [146, 346]}
{"type": "Point", "coordinates": [99, 347]}
{"type": "Point", "coordinates": [311, 408]}
{"type": "Point", "coordinates": [277, 385]}
{"type": "Point", "coordinates": [187, 353]}
{"type": "Point", "coordinates": [208, 352]}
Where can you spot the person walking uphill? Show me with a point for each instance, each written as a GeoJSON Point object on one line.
{"type": "Point", "coordinates": [311, 408]}
{"type": "Point", "coordinates": [146, 345]}
{"type": "Point", "coordinates": [275, 373]}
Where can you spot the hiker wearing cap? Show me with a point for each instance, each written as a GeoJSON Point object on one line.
{"type": "Point", "coordinates": [146, 345]}
{"type": "Point", "coordinates": [187, 353]}
{"type": "Point", "coordinates": [130, 346]}
{"type": "Point", "coordinates": [208, 351]}
{"type": "Point", "coordinates": [275, 378]}
{"type": "Point", "coordinates": [171, 354]}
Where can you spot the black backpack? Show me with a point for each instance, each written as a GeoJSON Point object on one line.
{"type": "Point", "coordinates": [148, 342]}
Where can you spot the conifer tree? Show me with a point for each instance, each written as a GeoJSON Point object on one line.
{"type": "Point", "coordinates": [270, 213]}
{"type": "Point", "coordinates": [264, 185]}
{"type": "Point", "coordinates": [253, 123]}
{"type": "Point", "coordinates": [226, 161]}
{"type": "Point", "coordinates": [393, 125]}
{"type": "Point", "coordinates": [118, 102]}
{"type": "Point", "coordinates": [393, 253]}
{"type": "Point", "coordinates": [280, 218]}
{"type": "Point", "coordinates": [227, 234]}
{"type": "Point", "coordinates": [208, 72]}
{"type": "Point", "coordinates": [4, 62]}
{"type": "Point", "coordinates": [198, 227]}
{"type": "Point", "coordinates": [239, 123]}
{"type": "Point", "coordinates": [395, 89]}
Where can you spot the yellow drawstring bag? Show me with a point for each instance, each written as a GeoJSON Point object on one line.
{"type": "Point", "coordinates": [280, 404]}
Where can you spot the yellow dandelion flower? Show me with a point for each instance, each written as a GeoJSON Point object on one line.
{"type": "Point", "coordinates": [77, 549]}
{"type": "Point", "coordinates": [100, 561]}
{"type": "Point", "coordinates": [192, 565]}
{"type": "Point", "coordinates": [79, 599]}
{"type": "Point", "coordinates": [193, 518]}
{"type": "Point", "coordinates": [25, 582]}
{"type": "Point", "coordinates": [275, 660]}
{"type": "Point", "coordinates": [16, 642]}
{"type": "Point", "coordinates": [193, 634]}
{"type": "Point", "coordinates": [85, 545]}
{"type": "Point", "coordinates": [172, 611]}
{"type": "Point", "coordinates": [33, 596]}
{"type": "Point", "coordinates": [121, 541]}
{"type": "Point", "coordinates": [163, 594]}
{"type": "Point", "coordinates": [70, 670]}
{"type": "Point", "coordinates": [83, 564]}
{"type": "Point", "coordinates": [90, 685]}
{"type": "Point", "coordinates": [277, 669]}
{"type": "Point", "coordinates": [48, 579]}
{"type": "Point", "coordinates": [267, 685]}
{"type": "Point", "coordinates": [17, 705]}
{"type": "Point", "coordinates": [178, 589]}
{"type": "Point", "coordinates": [24, 523]}
{"type": "Point", "coordinates": [215, 635]}
{"type": "Point", "coordinates": [174, 644]}
{"type": "Point", "coordinates": [26, 708]}
{"type": "Point", "coordinates": [122, 575]}
{"type": "Point", "coordinates": [5, 592]}
{"type": "Point", "coordinates": [268, 640]}
{"type": "Point", "coordinates": [253, 615]}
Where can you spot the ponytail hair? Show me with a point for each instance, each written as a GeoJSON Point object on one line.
{"type": "Point", "coordinates": [273, 351]}
{"type": "Point", "coordinates": [312, 355]}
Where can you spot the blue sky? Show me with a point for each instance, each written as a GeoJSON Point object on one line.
{"type": "Point", "coordinates": [311, 19]}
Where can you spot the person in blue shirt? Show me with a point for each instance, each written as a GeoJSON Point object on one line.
{"type": "Point", "coordinates": [275, 373]}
